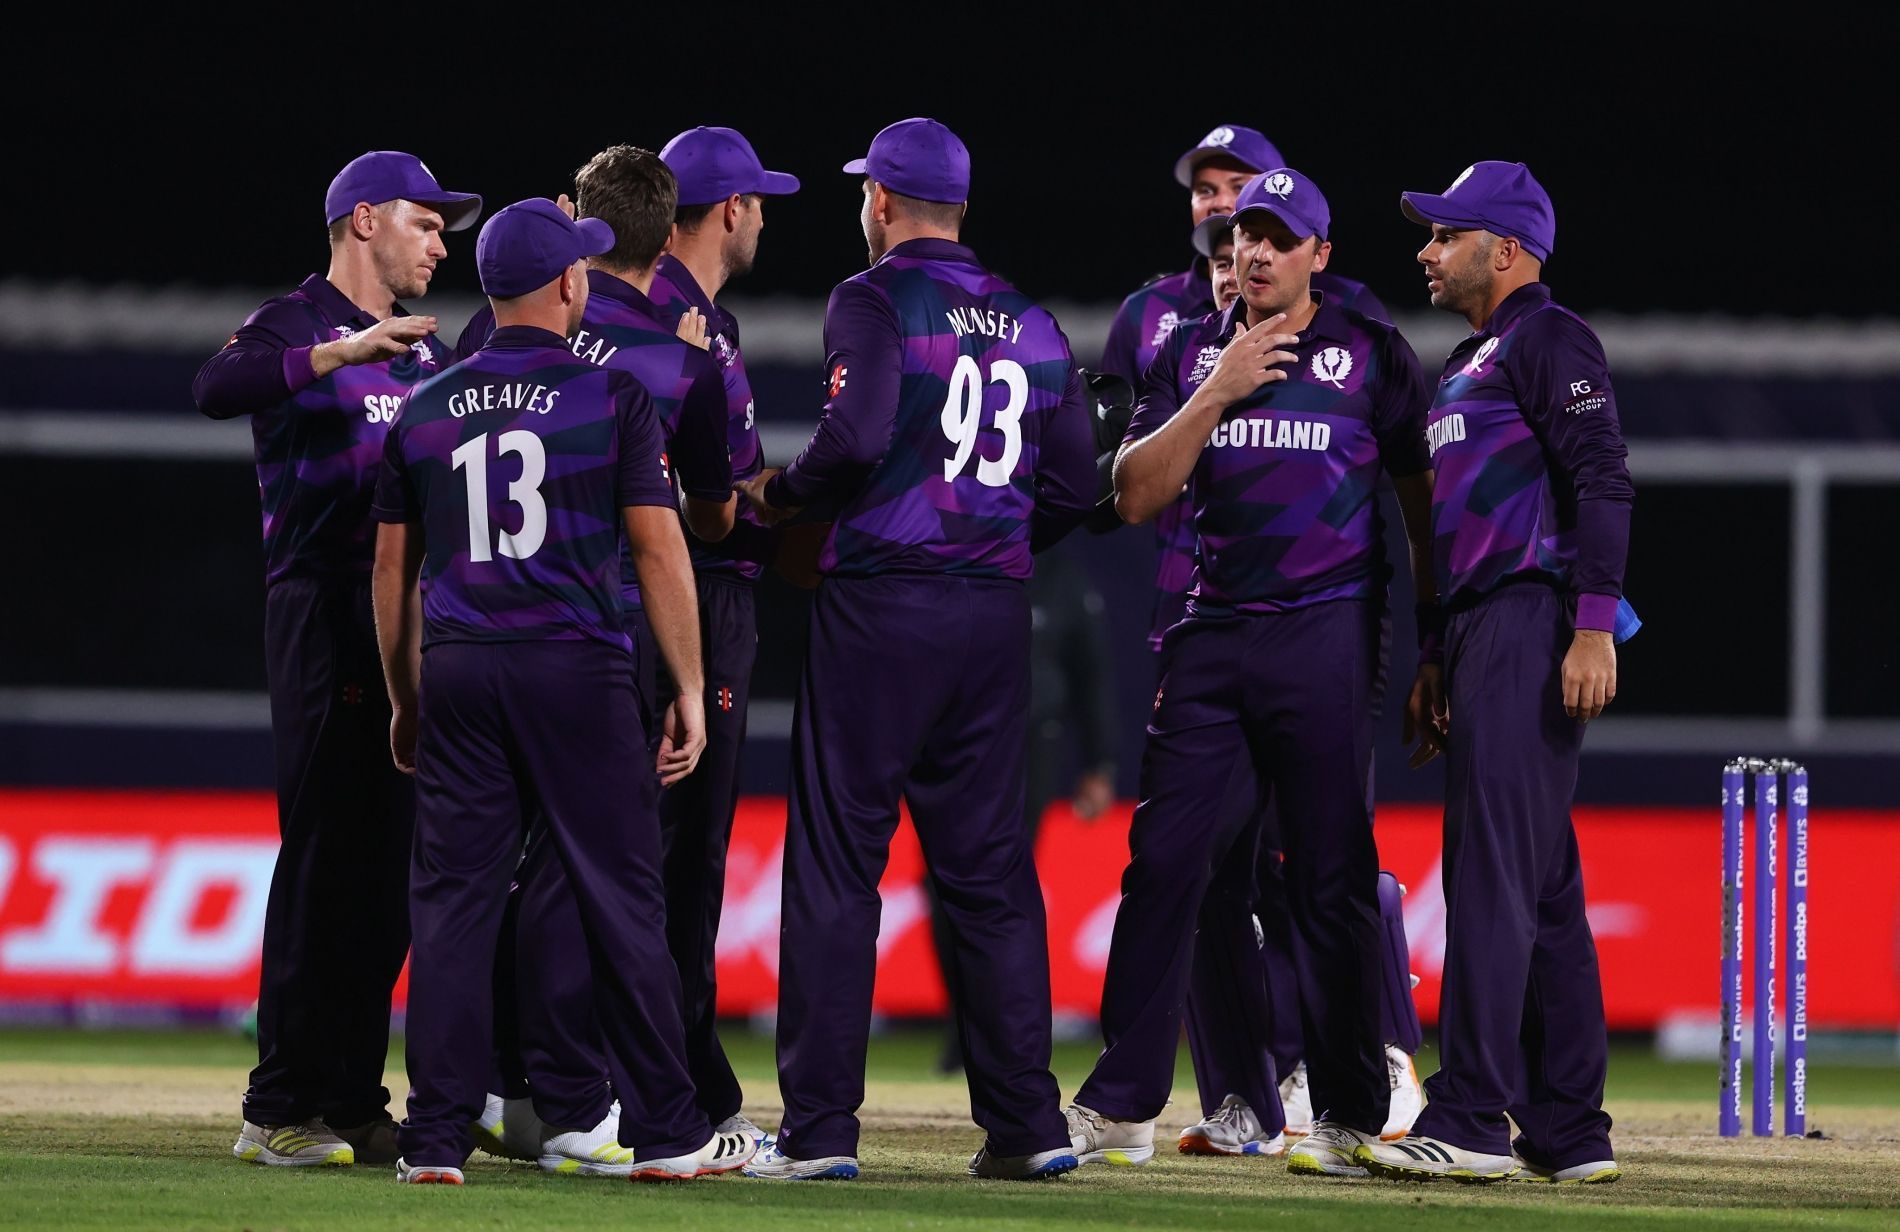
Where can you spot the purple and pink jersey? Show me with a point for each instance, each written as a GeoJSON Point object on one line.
{"type": "Point", "coordinates": [1284, 494]}
{"type": "Point", "coordinates": [318, 441]}
{"type": "Point", "coordinates": [517, 462]}
{"type": "Point", "coordinates": [1141, 325]}
{"type": "Point", "coordinates": [625, 330]}
{"type": "Point", "coordinates": [1532, 476]}
{"type": "Point", "coordinates": [674, 291]}
{"type": "Point", "coordinates": [957, 433]}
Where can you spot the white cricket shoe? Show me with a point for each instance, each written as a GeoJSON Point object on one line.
{"type": "Point", "coordinates": [1041, 1166]}
{"type": "Point", "coordinates": [424, 1174]}
{"type": "Point", "coordinates": [1297, 1099]}
{"type": "Point", "coordinates": [772, 1164]}
{"type": "Point", "coordinates": [738, 1123]}
{"type": "Point", "coordinates": [1408, 1093]}
{"type": "Point", "coordinates": [722, 1153]}
{"type": "Point", "coordinates": [1097, 1139]}
{"type": "Point", "coordinates": [1419, 1158]}
{"type": "Point", "coordinates": [1596, 1172]}
{"type": "Point", "coordinates": [1330, 1150]}
{"type": "Point", "coordinates": [307, 1144]}
{"type": "Point", "coordinates": [509, 1128]}
{"type": "Point", "coordinates": [587, 1152]}
{"type": "Point", "coordinates": [1233, 1129]}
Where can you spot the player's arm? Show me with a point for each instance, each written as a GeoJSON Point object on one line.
{"type": "Point", "coordinates": [1159, 456]}
{"type": "Point", "coordinates": [259, 368]}
{"type": "Point", "coordinates": [1564, 388]}
{"type": "Point", "coordinates": [863, 366]}
{"type": "Point", "coordinates": [660, 560]}
{"type": "Point", "coordinates": [394, 594]}
{"type": "Point", "coordinates": [1065, 467]}
{"type": "Point", "coordinates": [701, 458]}
{"type": "Point", "coordinates": [474, 334]}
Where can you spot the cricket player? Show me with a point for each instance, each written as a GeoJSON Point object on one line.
{"type": "Point", "coordinates": [515, 475]}
{"type": "Point", "coordinates": [1297, 406]}
{"type": "Point", "coordinates": [633, 192]}
{"type": "Point", "coordinates": [956, 440]}
{"type": "Point", "coordinates": [722, 191]}
{"type": "Point", "coordinates": [1530, 527]}
{"type": "Point", "coordinates": [1232, 1031]}
{"type": "Point", "coordinates": [319, 372]}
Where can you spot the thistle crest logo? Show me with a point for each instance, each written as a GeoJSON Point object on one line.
{"type": "Point", "coordinates": [1333, 365]}
{"type": "Point", "coordinates": [1219, 137]}
{"type": "Point", "coordinates": [1280, 184]}
{"type": "Point", "coordinates": [1485, 351]}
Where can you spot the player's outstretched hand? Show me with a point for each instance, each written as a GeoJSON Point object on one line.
{"type": "Point", "coordinates": [1427, 714]}
{"type": "Point", "coordinates": [692, 328]}
{"type": "Point", "coordinates": [684, 738]}
{"type": "Point", "coordinates": [385, 339]}
{"type": "Point", "coordinates": [1254, 358]}
{"type": "Point", "coordinates": [1589, 674]}
{"type": "Point", "coordinates": [753, 490]}
{"type": "Point", "coordinates": [402, 739]}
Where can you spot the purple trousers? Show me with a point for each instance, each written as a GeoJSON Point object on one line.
{"type": "Point", "coordinates": [1521, 1027]}
{"type": "Point", "coordinates": [510, 732]}
{"type": "Point", "coordinates": [1289, 694]}
{"type": "Point", "coordinates": [336, 926]}
{"type": "Point", "coordinates": [915, 690]}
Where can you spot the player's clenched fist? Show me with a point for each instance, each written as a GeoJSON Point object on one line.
{"type": "Point", "coordinates": [1252, 359]}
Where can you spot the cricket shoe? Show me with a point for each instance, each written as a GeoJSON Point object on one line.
{"type": "Point", "coordinates": [510, 1129]}
{"type": "Point", "coordinates": [1098, 1140]}
{"type": "Point", "coordinates": [1233, 1129]}
{"type": "Point", "coordinates": [1408, 1093]}
{"type": "Point", "coordinates": [424, 1174]}
{"type": "Point", "coordinates": [1297, 1098]}
{"type": "Point", "coordinates": [587, 1152]}
{"type": "Point", "coordinates": [307, 1144]}
{"type": "Point", "coordinates": [1416, 1157]}
{"type": "Point", "coordinates": [738, 1123]}
{"type": "Point", "coordinates": [772, 1164]}
{"type": "Point", "coordinates": [1596, 1172]}
{"type": "Point", "coordinates": [374, 1142]}
{"type": "Point", "coordinates": [1041, 1166]}
{"type": "Point", "coordinates": [1330, 1150]}
{"type": "Point", "coordinates": [722, 1153]}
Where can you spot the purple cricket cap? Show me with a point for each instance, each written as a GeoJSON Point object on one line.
{"type": "Point", "coordinates": [1502, 198]}
{"type": "Point", "coordinates": [1245, 146]}
{"type": "Point", "coordinates": [712, 164]}
{"type": "Point", "coordinates": [391, 175]}
{"type": "Point", "coordinates": [1288, 196]}
{"type": "Point", "coordinates": [1212, 232]}
{"type": "Point", "coordinates": [918, 158]}
{"type": "Point", "coordinates": [523, 247]}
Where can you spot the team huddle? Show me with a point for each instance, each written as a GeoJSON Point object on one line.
{"type": "Point", "coordinates": [541, 545]}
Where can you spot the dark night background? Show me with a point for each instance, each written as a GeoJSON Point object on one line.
{"type": "Point", "coordinates": [1698, 161]}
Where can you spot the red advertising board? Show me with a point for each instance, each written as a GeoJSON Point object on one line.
{"type": "Point", "coordinates": [159, 898]}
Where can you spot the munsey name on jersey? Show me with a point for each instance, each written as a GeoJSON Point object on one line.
{"type": "Point", "coordinates": [1261, 431]}
{"type": "Point", "coordinates": [1445, 431]}
{"type": "Point", "coordinates": [986, 321]}
{"type": "Point", "coordinates": [513, 396]}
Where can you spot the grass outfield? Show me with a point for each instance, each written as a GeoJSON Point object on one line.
{"type": "Point", "coordinates": [133, 1130]}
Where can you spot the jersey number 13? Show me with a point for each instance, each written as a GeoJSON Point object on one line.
{"type": "Point", "coordinates": [471, 458]}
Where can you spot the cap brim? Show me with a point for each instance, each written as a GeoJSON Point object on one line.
{"type": "Point", "coordinates": [596, 236]}
{"type": "Point", "coordinates": [1184, 166]}
{"type": "Point", "coordinates": [1298, 226]}
{"type": "Point", "coordinates": [459, 210]}
{"type": "Point", "coordinates": [855, 167]}
{"type": "Point", "coordinates": [1207, 233]}
{"type": "Point", "coordinates": [1428, 208]}
{"type": "Point", "coordinates": [778, 183]}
